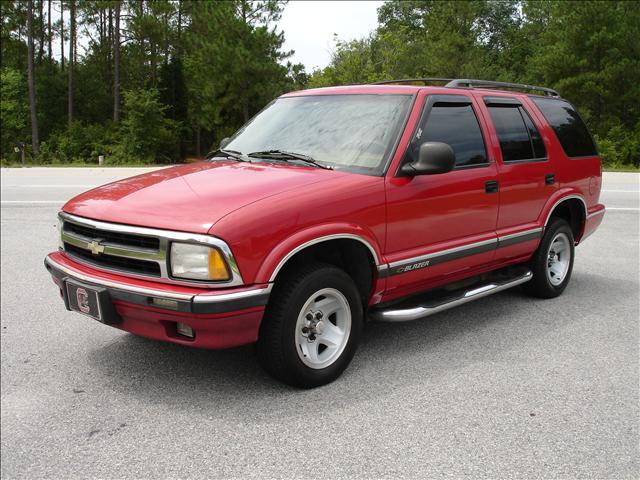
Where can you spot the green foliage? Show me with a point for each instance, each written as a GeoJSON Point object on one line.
{"type": "Point", "coordinates": [620, 147]}
{"type": "Point", "coordinates": [192, 72]}
{"type": "Point", "coordinates": [14, 111]}
{"type": "Point", "coordinates": [588, 50]}
{"type": "Point", "coordinates": [146, 134]}
{"type": "Point", "coordinates": [81, 143]}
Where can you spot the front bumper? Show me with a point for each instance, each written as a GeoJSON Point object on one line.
{"type": "Point", "coordinates": [219, 318]}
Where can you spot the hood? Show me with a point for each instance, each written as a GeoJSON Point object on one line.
{"type": "Point", "coordinates": [191, 198]}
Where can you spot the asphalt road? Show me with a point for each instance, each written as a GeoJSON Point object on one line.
{"type": "Point", "coordinates": [504, 387]}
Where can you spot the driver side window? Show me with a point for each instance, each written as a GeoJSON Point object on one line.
{"type": "Point", "coordinates": [454, 123]}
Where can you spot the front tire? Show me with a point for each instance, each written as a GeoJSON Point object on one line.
{"type": "Point", "coordinates": [311, 327]}
{"type": "Point", "coordinates": [552, 263]}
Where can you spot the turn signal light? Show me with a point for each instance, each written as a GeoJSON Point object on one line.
{"type": "Point", "coordinates": [217, 266]}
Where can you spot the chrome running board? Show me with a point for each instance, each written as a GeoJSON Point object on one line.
{"type": "Point", "coordinates": [405, 312]}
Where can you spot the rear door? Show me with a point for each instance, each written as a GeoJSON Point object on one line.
{"type": "Point", "coordinates": [526, 175]}
{"type": "Point", "coordinates": [444, 224]}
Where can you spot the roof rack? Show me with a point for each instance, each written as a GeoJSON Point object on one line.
{"type": "Point", "coordinates": [426, 81]}
{"type": "Point", "coordinates": [472, 83]}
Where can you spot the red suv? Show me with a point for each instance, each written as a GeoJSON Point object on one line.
{"type": "Point", "coordinates": [334, 206]}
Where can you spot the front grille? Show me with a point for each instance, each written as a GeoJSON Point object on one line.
{"type": "Point", "coordinates": [116, 238]}
{"type": "Point", "coordinates": [131, 265]}
{"type": "Point", "coordinates": [134, 250]}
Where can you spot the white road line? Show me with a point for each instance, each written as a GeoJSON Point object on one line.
{"type": "Point", "coordinates": [624, 209]}
{"type": "Point", "coordinates": [50, 186]}
{"type": "Point", "coordinates": [620, 191]}
{"type": "Point", "coordinates": [32, 202]}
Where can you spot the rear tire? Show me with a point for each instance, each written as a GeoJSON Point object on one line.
{"type": "Point", "coordinates": [311, 327]}
{"type": "Point", "coordinates": [552, 263]}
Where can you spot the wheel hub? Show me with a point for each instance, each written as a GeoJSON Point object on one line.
{"type": "Point", "coordinates": [558, 259]}
{"type": "Point", "coordinates": [313, 326]}
{"type": "Point", "coordinates": [322, 328]}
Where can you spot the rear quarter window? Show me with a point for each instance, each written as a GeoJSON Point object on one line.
{"type": "Point", "coordinates": [568, 126]}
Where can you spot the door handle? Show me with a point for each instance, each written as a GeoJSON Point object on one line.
{"type": "Point", "coordinates": [491, 186]}
{"type": "Point", "coordinates": [549, 179]}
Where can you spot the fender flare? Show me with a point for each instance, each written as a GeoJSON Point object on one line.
{"type": "Point", "coordinates": [285, 250]}
{"type": "Point", "coordinates": [557, 200]}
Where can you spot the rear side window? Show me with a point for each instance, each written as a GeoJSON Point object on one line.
{"type": "Point", "coordinates": [569, 127]}
{"type": "Point", "coordinates": [455, 124]}
{"type": "Point", "coordinates": [519, 138]}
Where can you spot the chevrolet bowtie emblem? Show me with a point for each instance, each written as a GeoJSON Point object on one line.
{"type": "Point", "coordinates": [95, 248]}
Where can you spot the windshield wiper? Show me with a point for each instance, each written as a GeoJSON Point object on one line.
{"type": "Point", "coordinates": [288, 156]}
{"type": "Point", "coordinates": [229, 154]}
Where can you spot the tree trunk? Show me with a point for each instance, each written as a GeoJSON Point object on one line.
{"type": "Point", "coordinates": [154, 64]}
{"type": "Point", "coordinates": [35, 144]}
{"type": "Point", "coordinates": [101, 25]}
{"type": "Point", "coordinates": [49, 35]}
{"type": "Point", "coordinates": [179, 46]}
{"type": "Point", "coordinates": [41, 23]}
{"type": "Point", "coordinates": [197, 140]}
{"type": "Point", "coordinates": [110, 34]}
{"type": "Point", "coordinates": [62, 35]}
{"type": "Point", "coordinates": [72, 55]}
{"type": "Point", "coordinates": [116, 62]}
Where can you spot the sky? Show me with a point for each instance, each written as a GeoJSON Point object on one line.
{"type": "Point", "coordinates": [309, 27]}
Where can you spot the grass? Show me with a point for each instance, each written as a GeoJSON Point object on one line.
{"type": "Point", "coordinates": [82, 165]}
{"type": "Point", "coordinates": [621, 168]}
{"type": "Point", "coordinates": [4, 163]}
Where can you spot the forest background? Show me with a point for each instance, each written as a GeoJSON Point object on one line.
{"type": "Point", "coordinates": [162, 81]}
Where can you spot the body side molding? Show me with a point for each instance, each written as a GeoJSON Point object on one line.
{"type": "Point", "coordinates": [441, 256]}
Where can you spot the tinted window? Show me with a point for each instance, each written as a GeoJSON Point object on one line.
{"type": "Point", "coordinates": [569, 127]}
{"type": "Point", "coordinates": [455, 124]}
{"type": "Point", "coordinates": [536, 140]}
{"type": "Point", "coordinates": [518, 136]}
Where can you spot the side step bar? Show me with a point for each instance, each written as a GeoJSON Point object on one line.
{"type": "Point", "coordinates": [424, 309]}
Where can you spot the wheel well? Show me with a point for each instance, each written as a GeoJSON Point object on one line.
{"type": "Point", "coordinates": [350, 255]}
{"type": "Point", "coordinates": [571, 210]}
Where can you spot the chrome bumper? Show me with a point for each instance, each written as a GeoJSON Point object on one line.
{"type": "Point", "coordinates": [203, 303]}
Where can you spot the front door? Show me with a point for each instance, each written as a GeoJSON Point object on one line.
{"type": "Point", "coordinates": [443, 224]}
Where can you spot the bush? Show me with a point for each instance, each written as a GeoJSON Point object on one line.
{"type": "Point", "coordinates": [146, 134]}
{"type": "Point", "coordinates": [14, 112]}
{"type": "Point", "coordinates": [80, 143]}
{"type": "Point", "coordinates": [620, 147]}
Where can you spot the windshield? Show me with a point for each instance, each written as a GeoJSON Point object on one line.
{"type": "Point", "coordinates": [351, 132]}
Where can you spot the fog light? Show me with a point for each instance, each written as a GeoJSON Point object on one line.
{"type": "Point", "coordinates": [184, 330]}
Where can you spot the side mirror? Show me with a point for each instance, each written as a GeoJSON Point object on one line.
{"type": "Point", "coordinates": [434, 157]}
{"type": "Point", "coordinates": [224, 142]}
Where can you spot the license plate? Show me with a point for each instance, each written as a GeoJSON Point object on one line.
{"type": "Point", "coordinates": [84, 300]}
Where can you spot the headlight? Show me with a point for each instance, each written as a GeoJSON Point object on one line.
{"type": "Point", "coordinates": [198, 262]}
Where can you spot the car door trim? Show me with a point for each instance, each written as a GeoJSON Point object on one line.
{"type": "Point", "coordinates": [450, 254]}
